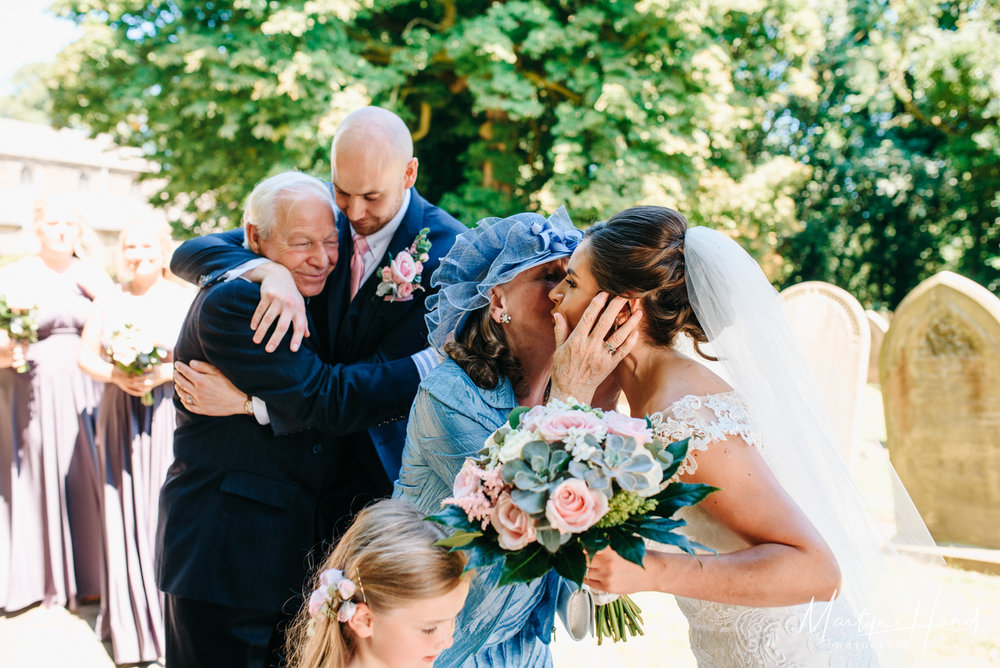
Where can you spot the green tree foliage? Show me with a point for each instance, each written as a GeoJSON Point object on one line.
{"type": "Point", "coordinates": [904, 147]}
{"type": "Point", "coordinates": [29, 100]}
{"type": "Point", "coordinates": [528, 104]}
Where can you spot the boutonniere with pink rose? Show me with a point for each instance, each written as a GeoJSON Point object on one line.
{"type": "Point", "coordinates": [402, 276]}
{"type": "Point", "coordinates": [558, 483]}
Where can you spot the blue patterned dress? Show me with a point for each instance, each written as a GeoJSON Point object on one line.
{"type": "Point", "coordinates": [449, 421]}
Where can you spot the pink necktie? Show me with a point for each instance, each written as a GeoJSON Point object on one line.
{"type": "Point", "coordinates": [358, 263]}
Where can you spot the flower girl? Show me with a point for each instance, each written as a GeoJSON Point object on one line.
{"type": "Point", "coordinates": [386, 595]}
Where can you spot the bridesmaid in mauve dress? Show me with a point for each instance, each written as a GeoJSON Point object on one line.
{"type": "Point", "coordinates": [134, 440]}
{"type": "Point", "coordinates": [50, 540]}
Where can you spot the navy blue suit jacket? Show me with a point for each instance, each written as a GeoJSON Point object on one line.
{"type": "Point", "coordinates": [240, 507]}
{"type": "Point", "coordinates": [348, 332]}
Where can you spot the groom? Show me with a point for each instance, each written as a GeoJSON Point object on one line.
{"type": "Point", "coordinates": [381, 215]}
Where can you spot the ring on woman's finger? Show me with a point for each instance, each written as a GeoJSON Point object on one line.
{"type": "Point", "coordinates": [190, 399]}
{"type": "Point", "coordinates": [611, 348]}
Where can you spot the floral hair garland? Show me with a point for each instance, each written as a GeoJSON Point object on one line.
{"type": "Point", "coordinates": [332, 599]}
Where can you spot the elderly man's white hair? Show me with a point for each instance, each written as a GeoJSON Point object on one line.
{"type": "Point", "coordinates": [374, 129]}
{"type": "Point", "coordinates": [273, 197]}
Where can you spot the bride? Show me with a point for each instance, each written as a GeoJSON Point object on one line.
{"type": "Point", "coordinates": [797, 571]}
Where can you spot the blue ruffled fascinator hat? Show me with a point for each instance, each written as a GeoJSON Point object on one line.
{"type": "Point", "coordinates": [492, 253]}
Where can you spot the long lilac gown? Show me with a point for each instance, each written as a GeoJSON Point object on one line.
{"type": "Point", "coordinates": [50, 529]}
{"type": "Point", "coordinates": [135, 446]}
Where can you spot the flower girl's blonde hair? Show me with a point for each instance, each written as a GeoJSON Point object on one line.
{"type": "Point", "coordinates": [390, 557]}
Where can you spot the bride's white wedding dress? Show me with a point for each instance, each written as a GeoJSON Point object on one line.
{"type": "Point", "coordinates": [811, 634]}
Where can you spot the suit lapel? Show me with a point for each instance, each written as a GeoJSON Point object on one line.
{"type": "Point", "coordinates": [338, 284]}
{"type": "Point", "coordinates": [362, 311]}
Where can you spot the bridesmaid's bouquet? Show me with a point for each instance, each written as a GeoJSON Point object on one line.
{"type": "Point", "coordinates": [135, 353]}
{"type": "Point", "coordinates": [563, 481]}
{"type": "Point", "coordinates": [21, 325]}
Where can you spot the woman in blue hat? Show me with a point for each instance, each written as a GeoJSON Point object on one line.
{"type": "Point", "coordinates": [492, 321]}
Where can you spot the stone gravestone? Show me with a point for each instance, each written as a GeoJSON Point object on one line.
{"type": "Point", "coordinates": [877, 327]}
{"type": "Point", "coordinates": [940, 373]}
{"type": "Point", "coordinates": [833, 332]}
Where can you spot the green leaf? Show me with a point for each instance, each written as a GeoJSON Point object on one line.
{"type": "Point", "coordinates": [525, 565]}
{"type": "Point", "coordinates": [482, 554]}
{"type": "Point", "coordinates": [570, 562]}
{"type": "Point", "coordinates": [458, 539]}
{"type": "Point", "coordinates": [662, 531]}
{"type": "Point", "coordinates": [658, 529]}
{"type": "Point", "coordinates": [453, 517]}
{"type": "Point", "coordinates": [594, 541]}
{"type": "Point", "coordinates": [678, 450]}
{"type": "Point", "coordinates": [627, 545]}
{"type": "Point", "coordinates": [515, 416]}
{"type": "Point", "coordinates": [550, 539]}
{"type": "Point", "coordinates": [678, 495]}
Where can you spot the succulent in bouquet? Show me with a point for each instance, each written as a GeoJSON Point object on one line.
{"type": "Point", "coordinates": [563, 481]}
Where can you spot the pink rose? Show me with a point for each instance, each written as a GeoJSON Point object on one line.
{"type": "Point", "coordinates": [330, 576]}
{"type": "Point", "coordinates": [346, 588]}
{"type": "Point", "coordinates": [573, 507]}
{"type": "Point", "coordinates": [419, 267]}
{"type": "Point", "coordinates": [467, 480]}
{"type": "Point", "coordinates": [404, 291]}
{"type": "Point", "coordinates": [403, 268]}
{"type": "Point", "coordinates": [318, 599]}
{"type": "Point", "coordinates": [529, 419]}
{"type": "Point", "coordinates": [386, 274]}
{"type": "Point", "coordinates": [346, 611]}
{"type": "Point", "coordinates": [556, 426]}
{"type": "Point", "coordinates": [626, 426]}
{"type": "Point", "coordinates": [516, 527]}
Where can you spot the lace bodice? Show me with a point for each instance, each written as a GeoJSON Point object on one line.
{"type": "Point", "coordinates": [721, 634]}
{"type": "Point", "coordinates": [705, 419]}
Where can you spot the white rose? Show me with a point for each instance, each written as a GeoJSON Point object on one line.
{"type": "Point", "coordinates": [514, 443]}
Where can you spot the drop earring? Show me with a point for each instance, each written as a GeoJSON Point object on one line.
{"type": "Point", "coordinates": [505, 318]}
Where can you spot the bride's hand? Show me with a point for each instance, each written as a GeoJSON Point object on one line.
{"type": "Point", "coordinates": [205, 391]}
{"type": "Point", "coordinates": [610, 573]}
{"type": "Point", "coordinates": [586, 356]}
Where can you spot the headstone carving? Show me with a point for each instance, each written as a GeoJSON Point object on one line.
{"type": "Point", "coordinates": [940, 373]}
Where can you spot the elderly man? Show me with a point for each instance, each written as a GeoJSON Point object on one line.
{"type": "Point", "coordinates": [241, 507]}
{"type": "Point", "coordinates": [371, 309]}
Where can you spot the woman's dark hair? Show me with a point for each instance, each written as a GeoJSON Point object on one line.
{"type": "Point", "coordinates": [640, 253]}
{"type": "Point", "coordinates": [481, 350]}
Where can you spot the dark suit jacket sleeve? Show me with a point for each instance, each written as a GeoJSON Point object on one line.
{"type": "Point", "coordinates": [203, 260]}
{"type": "Point", "coordinates": [299, 389]}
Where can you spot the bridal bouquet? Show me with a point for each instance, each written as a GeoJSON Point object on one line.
{"type": "Point", "coordinates": [20, 324]}
{"type": "Point", "coordinates": [135, 353]}
{"type": "Point", "coordinates": [564, 480]}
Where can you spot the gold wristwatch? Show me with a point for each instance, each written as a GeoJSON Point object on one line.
{"type": "Point", "coordinates": [248, 405]}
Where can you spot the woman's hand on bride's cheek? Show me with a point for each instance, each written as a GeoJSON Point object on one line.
{"type": "Point", "coordinates": [611, 573]}
{"type": "Point", "coordinates": [585, 357]}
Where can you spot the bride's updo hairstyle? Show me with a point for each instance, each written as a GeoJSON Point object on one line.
{"type": "Point", "coordinates": [390, 558]}
{"type": "Point", "coordinates": [640, 253]}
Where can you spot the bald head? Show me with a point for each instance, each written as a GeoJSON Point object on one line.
{"type": "Point", "coordinates": [376, 130]}
{"type": "Point", "coordinates": [372, 167]}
